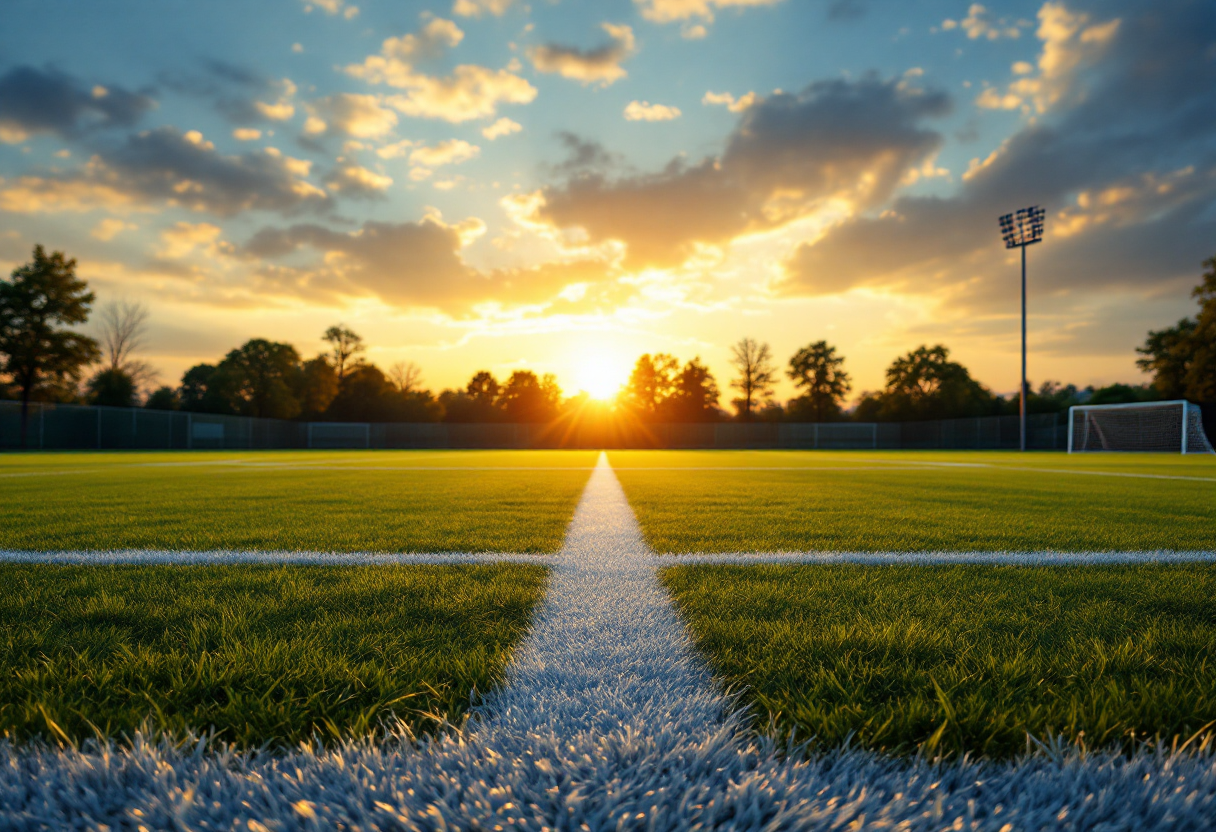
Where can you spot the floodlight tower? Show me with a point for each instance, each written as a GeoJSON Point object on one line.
{"type": "Point", "coordinates": [1020, 230]}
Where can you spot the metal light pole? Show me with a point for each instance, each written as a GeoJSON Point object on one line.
{"type": "Point", "coordinates": [1020, 230]}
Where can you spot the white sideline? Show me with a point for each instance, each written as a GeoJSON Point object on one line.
{"type": "Point", "coordinates": [169, 557]}
{"type": "Point", "coordinates": [608, 722]}
{"type": "Point", "coordinates": [1045, 558]}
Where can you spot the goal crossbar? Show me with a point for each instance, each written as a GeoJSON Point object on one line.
{"type": "Point", "coordinates": [1171, 427]}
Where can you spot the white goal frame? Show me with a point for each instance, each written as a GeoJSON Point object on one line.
{"type": "Point", "coordinates": [1192, 439]}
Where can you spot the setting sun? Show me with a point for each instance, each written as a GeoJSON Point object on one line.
{"type": "Point", "coordinates": [601, 376]}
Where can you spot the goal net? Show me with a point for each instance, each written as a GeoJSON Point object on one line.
{"type": "Point", "coordinates": [338, 435]}
{"type": "Point", "coordinates": [1169, 427]}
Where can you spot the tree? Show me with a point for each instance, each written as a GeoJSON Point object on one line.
{"type": "Point", "coordinates": [345, 346]}
{"type": "Point", "coordinates": [477, 402]}
{"type": "Point", "coordinates": [263, 371]}
{"type": "Point", "coordinates": [1201, 373]}
{"type": "Point", "coordinates": [1168, 354]}
{"type": "Point", "coordinates": [407, 376]}
{"type": "Point", "coordinates": [694, 397]}
{"type": "Point", "coordinates": [754, 363]}
{"type": "Point", "coordinates": [41, 297]}
{"type": "Point", "coordinates": [112, 387]}
{"type": "Point", "coordinates": [527, 398]}
{"type": "Point", "coordinates": [652, 381]}
{"type": "Point", "coordinates": [123, 329]}
{"type": "Point", "coordinates": [926, 384]}
{"type": "Point", "coordinates": [817, 371]}
{"type": "Point", "coordinates": [316, 386]}
{"type": "Point", "coordinates": [163, 398]}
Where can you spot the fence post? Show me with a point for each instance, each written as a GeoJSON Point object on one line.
{"type": "Point", "coordinates": [98, 411]}
{"type": "Point", "coordinates": [41, 425]}
{"type": "Point", "coordinates": [816, 436]}
{"type": "Point", "coordinates": [874, 434]}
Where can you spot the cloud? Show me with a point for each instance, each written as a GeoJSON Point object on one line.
{"type": "Point", "coordinates": [1124, 161]}
{"type": "Point", "coordinates": [411, 264]}
{"type": "Point", "coordinates": [109, 228]}
{"type": "Point", "coordinates": [601, 65]}
{"type": "Point", "coordinates": [1071, 42]}
{"type": "Point", "coordinates": [358, 182]}
{"type": "Point", "coordinates": [166, 166]}
{"type": "Point", "coordinates": [470, 92]}
{"type": "Point", "coordinates": [332, 7]}
{"type": "Point", "coordinates": [282, 108]}
{"type": "Point", "coordinates": [979, 24]}
{"type": "Point", "coordinates": [735, 105]}
{"type": "Point", "coordinates": [674, 11]}
{"type": "Point", "coordinates": [841, 144]}
{"type": "Point", "coordinates": [503, 127]}
{"type": "Point", "coordinates": [349, 114]}
{"type": "Point", "coordinates": [450, 152]}
{"type": "Point", "coordinates": [183, 238]}
{"type": "Point", "coordinates": [34, 101]}
{"type": "Point", "coordinates": [645, 111]}
{"type": "Point", "coordinates": [476, 8]}
{"type": "Point", "coordinates": [246, 134]}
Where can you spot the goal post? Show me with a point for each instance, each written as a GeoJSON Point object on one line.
{"type": "Point", "coordinates": [1164, 427]}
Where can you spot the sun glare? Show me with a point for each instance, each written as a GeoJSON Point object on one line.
{"type": "Point", "coordinates": [601, 376]}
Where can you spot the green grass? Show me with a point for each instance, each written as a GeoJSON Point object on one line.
{"type": "Point", "coordinates": [956, 659]}
{"type": "Point", "coordinates": [514, 501]}
{"type": "Point", "coordinates": [261, 654]}
{"type": "Point", "coordinates": [699, 501]}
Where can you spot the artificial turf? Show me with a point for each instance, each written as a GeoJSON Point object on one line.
{"type": "Point", "coordinates": [947, 660]}
{"type": "Point", "coordinates": [698, 501]}
{"type": "Point", "coordinates": [478, 501]}
{"type": "Point", "coordinates": [259, 654]}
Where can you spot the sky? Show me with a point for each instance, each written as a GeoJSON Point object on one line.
{"type": "Point", "coordinates": [563, 185]}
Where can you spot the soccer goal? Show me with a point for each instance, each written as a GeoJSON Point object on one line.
{"type": "Point", "coordinates": [1169, 427]}
{"type": "Point", "coordinates": [339, 435]}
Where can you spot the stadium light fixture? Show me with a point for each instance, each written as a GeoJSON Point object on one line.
{"type": "Point", "coordinates": [1018, 230]}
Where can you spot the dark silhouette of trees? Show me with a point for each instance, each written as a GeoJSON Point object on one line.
{"type": "Point", "coordinates": [316, 386]}
{"type": "Point", "coordinates": [36, 303]}
{"type": "Point", "coordinates": [527, 398]}
{"type": "Point", "coordinates": [817, 371]}
{"type": "Point", "coordinates": [259, 376]}
{"type": "Point", "coordinates": [112, 387]}
{"type": "Point", "coordinates": [753, 361]}
{"type": "Point", "coordinates": [694, 397]}
{"type": "Point", "coordinates": [163, 398]}
{"type": "Point", "coordinates": [926, 384]}
{"type": "Point", "coordinates": [345, 347]}
{"type": "Point", "coordinates": [478, 402]}
{"type": "Point", "coordinates": [650, 383]}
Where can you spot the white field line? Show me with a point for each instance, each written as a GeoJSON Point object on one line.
{"type": "Point", "coordinates": [221, 556]}
{"type": "Point", "coordinates": [1046, 558]}
{"type": "Point", "coordinates": [609, 722]}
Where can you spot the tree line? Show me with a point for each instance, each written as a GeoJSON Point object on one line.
{"type": "Point", "coordinates": [44, 358]}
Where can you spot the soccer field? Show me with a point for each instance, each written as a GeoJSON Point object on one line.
{"type": "Point", "coordinates": [454, 501]}
{"type": "Point", "coordinates": [750, 501]}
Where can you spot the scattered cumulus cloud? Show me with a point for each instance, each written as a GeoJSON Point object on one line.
{"type": "Point", "coordinates": [476, 8]}
{"type": "Point", "coordinates": [333, 7]}
{"type": "Point", "coordinates": [450, 152]}
{"type": "Point", "coordinates": [979, 24]}
{"type": "Point", "coordinates": [358, 182]}
{"type": "Point", "coordinates": [110, 227]}
{"type": "Point", "coordinates": [469, 92]}
{"type": "Point", "coordinates": [350, 114]}
{"type": "Point", "coordinates": [645, 111]}
{"type": "Point", "coordinates": [601, 65]}
{"type": "Point", "coordinates": [725, 99]}
{"type": "Point", "coordinates": [246, 134]}
{"type": "Point", "coordinates": [503, 127]}
{"type": "Point", "coordinates": [282, 108]}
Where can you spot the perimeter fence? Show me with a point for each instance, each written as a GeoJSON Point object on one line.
{"type": "Point", "coordinates": [76, 427]}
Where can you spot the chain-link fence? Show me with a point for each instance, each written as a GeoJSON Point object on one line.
{"type": "Point", "coordinates": [76, 427]}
